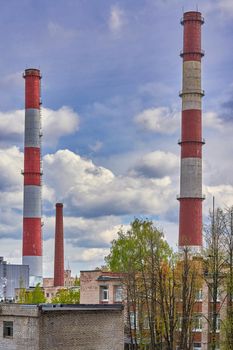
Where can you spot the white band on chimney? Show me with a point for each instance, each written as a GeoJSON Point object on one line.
{"type": "Point", "coordinates": [191, 178]}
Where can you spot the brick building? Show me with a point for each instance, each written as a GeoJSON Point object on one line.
{"type": "Point", "coordinates": [59, 327]}
{"type": "Point", "coordinates": [99, 287]}
{"type": "Point", "coordinates": [107, 287]}
{"type": "Point", "coordinates": [50, 290]}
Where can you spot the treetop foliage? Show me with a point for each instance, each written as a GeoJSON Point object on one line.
{"type": "Point", "coordinates": [134, 246]}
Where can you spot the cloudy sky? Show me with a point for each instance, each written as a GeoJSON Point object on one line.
{"type": "Point", "coordinates": [111, 116]}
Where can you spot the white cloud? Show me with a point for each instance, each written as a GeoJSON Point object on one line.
{"type": "Point", "coordinates": [213, 121]}
{"type": "Point", "coordinates": [56, 123]}
{"type": "Point", "coordinates": [11, 163]}
{"type": "Point", "coordinates": [223, 195]}
{"type": "Point", "coordinates": [161, 120]}
{"type": "Point", "coordinates": [84, 232]}
{"type": "Point", "coordinates": [12, 122]}
{"type": "Point", "coordinates": [156, 164]}
{"type": "Point", "coordinates": [116, 19]}
{"type": "Point", "coordinates": [11, 195]}
{"type": "Point", "coordinates": [89, 190]}
{"type": "Point", "coordinates": [75, 257]}
{"type": "Point", "coordinates": [11, 250]}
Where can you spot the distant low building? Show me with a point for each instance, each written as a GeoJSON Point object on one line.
{"type": "Point", "coordinates": [59, 327]}
{"type": "Point", "coordinates": [48, 285]}
{"type": "Point", "coordinates": [11, 277]}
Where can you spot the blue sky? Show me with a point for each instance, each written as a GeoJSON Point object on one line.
{"type": "Point", "coordinates": [111, 116]}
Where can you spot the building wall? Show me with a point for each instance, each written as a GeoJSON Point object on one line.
{"type": "Point", "coordinates": [58, 328]}
{"type": "Point", "coordinates": [68, 280]}
{"type": "Point", "coordinates": [89, 287]}
{"type": "Point", "coordinates": [50, 293]}
{"type": "Point", "coordinates": [25, 327]}
{"type": "Point", "coordinates": [82, 330]}
{"type": "Point", "coordinates": [11, 277]}
{"type": "Point", "coordinates": [48, 282]}
{"type": "Point", "coordinates": [92, 281]}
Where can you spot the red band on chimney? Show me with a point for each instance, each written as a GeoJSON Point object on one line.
{"type": "Point", "coordinates": [32, 244]}
{"type": "Point", "coordinates": [190, 231]}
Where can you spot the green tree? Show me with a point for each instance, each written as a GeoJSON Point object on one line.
{"type": "Point", "coordinates": [35, 296]}
{"type": "Point", "coordinates": [67, 296]}
{"type": "Point", "coordinates": [139, 253]}
{"type": "Point", "coordinates": [77, 281]}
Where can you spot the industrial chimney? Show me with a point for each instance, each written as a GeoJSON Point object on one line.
{"type": "Point", "coordinates": [32, 236]}
{"type": "Point", "coordinates": [59, 248]}
{"type": "Point", "coordinates": [190, 220]}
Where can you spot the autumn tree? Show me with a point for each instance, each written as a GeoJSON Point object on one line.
{"type": "Point", "coordinates": [189, 278]}
{"type": "Point", "coordinates": [214, 270]}
{"type": "Point", "coordinates": [227, 239]}
{"type": "Point", "coordinates": [168, 297]}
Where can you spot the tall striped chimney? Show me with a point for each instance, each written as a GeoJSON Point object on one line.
{"type": "Point", "coordinates": [59, 248]}
{"type": "Point", "coordinates": [32, 233]}
{"type": "Point", "coordinates": [190, 220]}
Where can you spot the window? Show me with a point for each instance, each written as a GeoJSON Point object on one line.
{"type": "Point", "coordinates": [218, 295]}
{"type": "Point", "coordinates": [7, 329]}
{"type": "Point", "coordinates": [118, 293]}
{"type": "Point", "coordinates": [198, 295]}
{"type": "Point", "coordinates": [196, 346]}
{"type": "Point", "coordinates": [132, 320]}
{"type": "Point", "coordinates": [47, 295]}
{"type": "Point", "coordinates": [197, 323]}
{"type": "Point", "coordinates": [218, 323]}
{"type": "Point", "coordinates": [146, 324]}
{"type": "Point", "coordinates": [104, 293]}
{"type": "Point", "coordinates": [179, 322]}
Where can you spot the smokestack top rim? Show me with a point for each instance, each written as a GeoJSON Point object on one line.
{"type": "Point", "coordinates": [32, 72]}
{"type": "Point", "coordinates": [192, 16]}
{"type": "Point", "coordinates": [192, 12]}
{"type": "Point", "coordinates": [59, 205]}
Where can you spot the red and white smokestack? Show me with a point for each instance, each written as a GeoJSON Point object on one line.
{"type": "Point", "coordinates": [190, 221]}
{"type": "Point", "coordinates": [59, 248]}
{"type": "Point", "coordinates": [32, 233]}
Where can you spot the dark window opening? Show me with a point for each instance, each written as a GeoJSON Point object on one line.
{"type": "Point", "coordinates": [7, 329]}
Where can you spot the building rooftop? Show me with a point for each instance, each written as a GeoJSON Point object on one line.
{"type": "Point", "coordinates": [33, 309]}
{"type": "Point", "coordinates": [81, 307]}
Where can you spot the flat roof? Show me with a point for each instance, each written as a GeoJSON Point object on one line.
{"type": "Point", "coordinates": [81, 307]}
